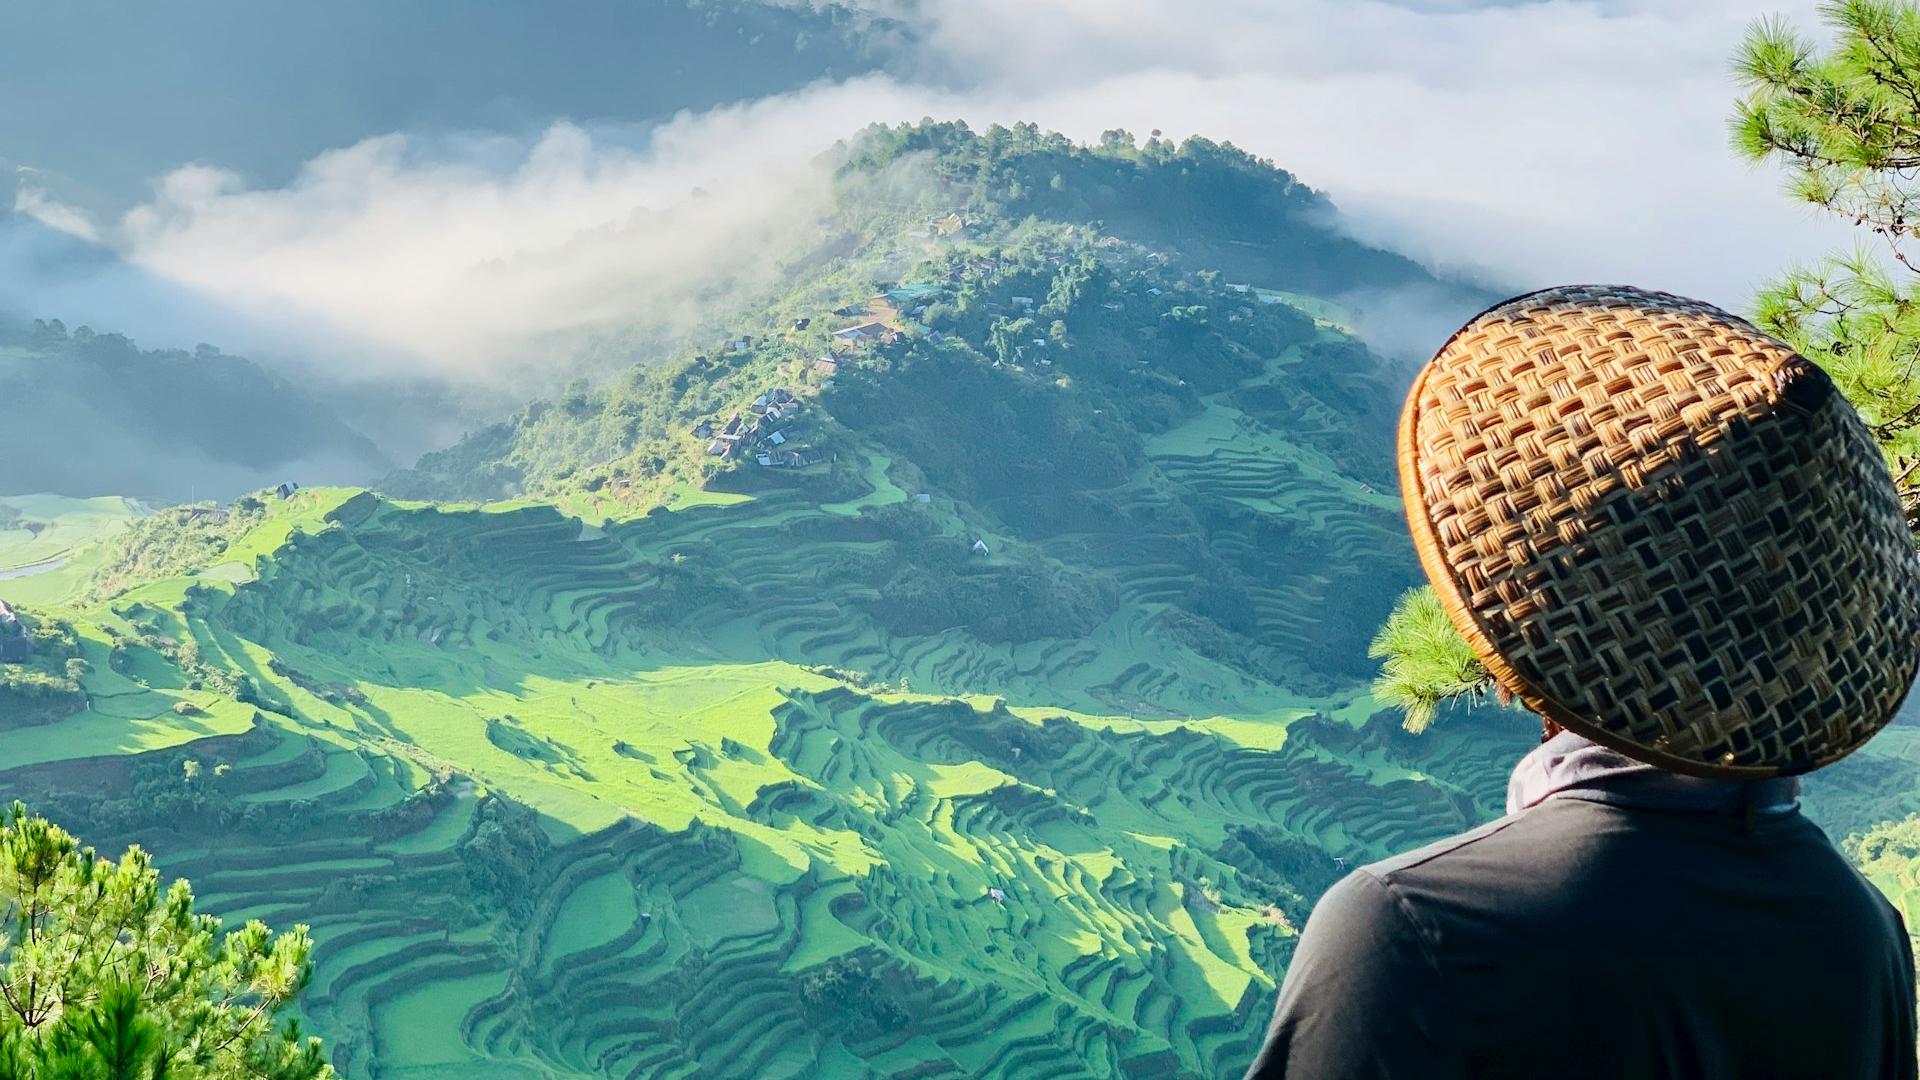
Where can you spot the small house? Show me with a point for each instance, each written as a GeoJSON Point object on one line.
{"type": "Point", "coordinates": [922, 497]}
{"type": "Point", "coordinates": [286, 489]}
{"type": "Point", "coordinates": [1155, 291]}
{"type": "Point", "coordinates": [826, 365]}
{"type": "Point", "coordinates": [764, 459]}
{"type": "Point", "coordinates": [912, 293]}
{"type": "Point", "coordinates": [776, 439]}
{"type": "Point", "coordinates": [801, 324]}
{"type": "Point", "coordinates": [15, 646]}
{"type": "Point", "coordinates": [703, 429]}
{"type": "Point", "coordinates": [980, 548]}
{"type": "Point", "coordinates": [717, 447]}
{"type": "Point", "coordinates": [864, 332]}
{"type": "Point", "coordinates": [998, 895]}
{"type": "Point", "coordinates": [1023, 301]}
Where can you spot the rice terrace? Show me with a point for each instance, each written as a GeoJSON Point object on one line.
{"type": "Point", "coordinates": [902, 611]}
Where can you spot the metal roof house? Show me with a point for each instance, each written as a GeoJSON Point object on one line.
{"type": "Point", "coordinates": [15, 646]}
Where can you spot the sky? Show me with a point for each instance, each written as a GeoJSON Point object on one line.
{"type": "Point", "coordinates": [417, 188]}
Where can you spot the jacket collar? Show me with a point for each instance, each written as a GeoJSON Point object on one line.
{"type": "Point", "coordinates": [1570, 766]}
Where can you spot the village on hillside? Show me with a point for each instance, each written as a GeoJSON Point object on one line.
{"type": "Point", "coordinates": [766, 435]}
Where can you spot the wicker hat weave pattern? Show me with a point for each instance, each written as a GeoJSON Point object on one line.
{"type": "Point", "coordinates": [1664, 530]}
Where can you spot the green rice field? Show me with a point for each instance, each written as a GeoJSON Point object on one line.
{"type": "Point", "coordinates": [668, 796]}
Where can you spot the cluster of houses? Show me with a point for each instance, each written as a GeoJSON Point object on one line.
{"type": "Point", "coordinates": [16, 647]}
{"type": "Point", "coordinates": [879, 314]}
{"type": "Point", "coordinates": [767, 435]}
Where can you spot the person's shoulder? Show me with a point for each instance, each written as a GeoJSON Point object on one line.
{"type": "Point", "coordinates": [1361, 908]}
{"type": "Point", "coordinates": [1370, 901]}
{"type": "Point", "coordinates": [1412, 862]}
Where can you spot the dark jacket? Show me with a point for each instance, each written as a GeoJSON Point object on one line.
{"type": "Point", "coordinates": [1597, 934]}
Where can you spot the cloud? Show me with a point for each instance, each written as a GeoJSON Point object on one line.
{"type": "Point", "coordinates": [474, 255]}
{"type": "Point", "coordinates": [33, 202]}
{"type": "Point", "coordinates": [1523, 143]}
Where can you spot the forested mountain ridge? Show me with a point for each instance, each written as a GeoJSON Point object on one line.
{"type": "Point", "coordinates": [1115, 253]}
{"type": "Point", "coordinates": [979, 692]}
{"type": "Point", "coordinates": [89, 414]}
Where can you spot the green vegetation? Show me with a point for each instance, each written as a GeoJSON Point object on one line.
{"type": "Point", "coordinates": [1845, 125]}
{"type": "Point", "coordinates": [1081, 291]}
{"type": "Point", "coordinates": [1010, 729]}
{"type": "Point", "coordinates": [108, 975]}
{"type": "Point", "coordinates": [47, 688]}
{"type": "Point", "coordinates": [39, 529]}
{"type": "Point", "coordinates": [175, 541]}
{"type": "Point", "coordinates": [530, 821]}
{"type": "Point", "coordinates": [1425, 661]}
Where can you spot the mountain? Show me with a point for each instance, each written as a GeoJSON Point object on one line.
{"type": "Point", "coordinates": [983, 693]}
{"type": "Point", "coordinates": [957, 224]}
{"type": "Point", "coordinates": [88, 414]}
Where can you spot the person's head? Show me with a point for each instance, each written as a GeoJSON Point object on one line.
{"type": "Point", "coordinates": [1663, 530]}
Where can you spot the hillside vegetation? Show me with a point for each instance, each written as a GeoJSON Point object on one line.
{"type": "Point", "coordinates": [1003, 716]}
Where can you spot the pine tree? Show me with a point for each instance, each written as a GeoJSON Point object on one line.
{"type": "Point", "coordinates": [105, 976]}
{"type": "Point", "coordinates": [1845, 125]}
{"type": "Point", "coordinates": [1425, 660]}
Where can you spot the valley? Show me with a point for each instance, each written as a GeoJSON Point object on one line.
{"type": "Point", "coordinates": [984, 697]}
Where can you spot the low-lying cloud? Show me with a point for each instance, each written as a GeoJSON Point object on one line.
{"type": "Point", "coordinates": [459, 255]}
{"type": "Point", "coordinates": [1522, 143]}
{"type": "Point", "coordinates": [1527, 143]}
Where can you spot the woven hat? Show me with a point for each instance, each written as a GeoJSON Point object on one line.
{"type": "Point", "coordinates": [1664, 530]}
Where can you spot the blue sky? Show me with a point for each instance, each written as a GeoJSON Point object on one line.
{"type": "Point", "coordinates": [447, 185]}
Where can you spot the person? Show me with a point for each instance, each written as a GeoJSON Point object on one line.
{"type": "Point", "coordinates": [1669, 537]}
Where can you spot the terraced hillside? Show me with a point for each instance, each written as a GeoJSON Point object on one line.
{"type": "Point", "coordinates": [957, 671]}
{"type": "Point", "coordinates": [541, 829]}
{"type": "Point", "coordinates": [722, 790]}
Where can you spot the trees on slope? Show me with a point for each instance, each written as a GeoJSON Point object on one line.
{"type": "Point", "coordinates": [1844, 124]}
{"type": "Point", "coordinates": [106, 976]}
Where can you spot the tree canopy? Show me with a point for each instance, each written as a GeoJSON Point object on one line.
{"type": "Point", "coordinates": [1424, 660]}
{"type": "Point", "coordinates": [105, 975]}
{"type": "Point", "coordinates": [1844, 124]}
